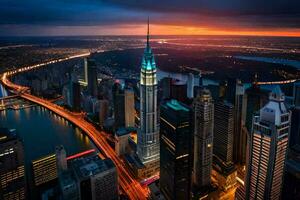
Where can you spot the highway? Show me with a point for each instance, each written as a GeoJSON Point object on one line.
{"type": "Point", "coordinates": [127, 182]}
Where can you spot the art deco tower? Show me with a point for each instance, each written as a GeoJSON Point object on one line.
{"type": "Point", "coordinates": [268, 147]}
{"type": "Point", "coordinates": [148, 136]}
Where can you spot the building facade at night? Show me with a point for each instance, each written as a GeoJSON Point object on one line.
{"type": "Point", "coordinates": [268, 149]}
{"type": "Point", "coordinates": [203, 138]}
{"type": "Point", "coordinates": [96, 179]}
{"type": "Point", "coordinates": [12, 171]}
{"type": "Point", "coordinates": [148, 135]}
{"type": "Point", "coordinates": [92, 77]}
{"type": "Point", "coordinates": [129, 108]}
{"type": "Point", "coordinates": [176, 136]}
{"type": "Point", "coordinates": [223, 131]}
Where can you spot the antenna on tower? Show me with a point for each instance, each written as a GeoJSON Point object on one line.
{"type": "Point", "coordinates": [148, 34]}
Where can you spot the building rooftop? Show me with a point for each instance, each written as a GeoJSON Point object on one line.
{"type": "Point", "coordinates": [176, 105]}
{"type": "Point", "coordinates": [7, 134]}
{"type": "Point", "coordinates": [275, 108]}
{"type": "Point", "coordinates": [122, 131]}
{"type": "Point", "coordinates": [91, 165]}
{"type": "Point", "coordinates": [133, 160]}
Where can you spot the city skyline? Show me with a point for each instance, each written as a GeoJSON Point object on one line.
{"type": "Point", "coordinates": [152, 117]}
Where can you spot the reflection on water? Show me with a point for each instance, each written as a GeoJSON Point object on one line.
{"type": "Point", "coordinates": [41, 131]}
{"type": "Point", "coordinates": [3, 92]}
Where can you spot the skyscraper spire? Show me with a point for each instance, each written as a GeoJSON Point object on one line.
{"type": "Point", "coordinates": [148, 34]}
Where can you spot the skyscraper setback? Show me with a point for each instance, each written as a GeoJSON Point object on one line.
{"type": "Point", "coordinates": [268, 145]}
{"type": "Point", "coordinates": [203, 138]}
{"type": "Point", "coordinates": [148, 136]}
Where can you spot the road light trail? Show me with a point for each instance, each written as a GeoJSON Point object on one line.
{"type": "Point", "coordinates": [129, 185]}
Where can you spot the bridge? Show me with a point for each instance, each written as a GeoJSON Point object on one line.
{"type": "Point", "coordinates": [127, 182]}
{"type": "Point", "coordinates": [9, 97]}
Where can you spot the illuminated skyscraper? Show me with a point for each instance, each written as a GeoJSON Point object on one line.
{"type": "Point", "coordinates": [148, 136]}
{"type": "Point", "coordinates": [267, 149]}
{"type": "Point", "coordinates": [12, 173]}
{"type": "Point", "coordinates": [203, 138]}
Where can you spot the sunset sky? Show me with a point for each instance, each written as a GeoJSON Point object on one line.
{"type": "Point", "coordinates": [168, 17]}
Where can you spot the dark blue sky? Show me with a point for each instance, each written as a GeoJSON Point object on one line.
{"type": "Point", "coordinates": [64, 17]}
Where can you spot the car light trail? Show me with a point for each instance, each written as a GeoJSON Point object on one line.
{"type": "Point", "coordinates": [129, 185]}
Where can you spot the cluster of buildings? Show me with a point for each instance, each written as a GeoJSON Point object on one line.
{"type": "Point", "coordinates": [201, 141]}
{"type": "Point", "coordinates": [82, 176]}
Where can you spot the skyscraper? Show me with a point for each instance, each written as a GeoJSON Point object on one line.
{"type": "Point", "coordinates": [61, 158]}
{"type": "Point", "coordinates": [190, 85]}
{"type": "Point", "coordinates": [297, 94]}
{"type": "Point", "coordinates": [76, 106]}
{"type": "Point", "coordinates": [85, 63]}
{"type": "Point", "coordinates": [294, 142]}
{"type": "Point", "coordinates": [119, 109]}
{"type": "Point", "coordinates": [148, 136]}
{"type": "Point", "coordinates": [223, 131]}
{"type": "Point", "coordinates": [129, 108]}
{"type": "Point", "coordinates": [103, 111]}
{"type": "Point", "coordinates": [267, 149]}
{"type": "Point", "coordinates": [240, 135]}
{"type": "Point", "coordinates": [203, 138]}
{"type": "Point", "coordinates": [12, 172]}
{"type": "Point", "coordinates": [92, 78]}
{"type": "Point", "coordinates": [176, 136]}
{"type": "Point", "coordinates": [44, 170]}
{"type": "Point", "coordinates": [96, 179]}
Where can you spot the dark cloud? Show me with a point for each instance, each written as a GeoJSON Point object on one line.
{"type": "Point", "coordinates": [221, 7]}
{"type": "Point", "coordinates": [218, 13]}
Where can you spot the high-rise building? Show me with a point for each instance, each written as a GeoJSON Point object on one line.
{"type": "Point", "coordinates": [129, 108]}
{"type": "Point", "coordinates": [203, 138]}
{"type": "Point", "coordinates": [240, 135]}
{"type": "Point", "coordinates": [85, 63]}
{"type": "Point", "coordinates": [92, 78]}
{"type": "Point", "coordinates": [176, 136]}
{"type": "Point", "coordinates": [190, 86]}
{"type": "Point", "coordinates": [119, 110]}
{"type": "Point", "coordinates": [12, 172]}
{"type": "Point", "coordinates": [76, 106]}
{"type": "Point", "coordinates": [223, 131]}
{"type": "Point", "coordinates": [294, 142]}
{"type": "Point", "coordinates": [119, 104]}
{"type": "Point", "coordinates": [297, 94]}
{"type": "Point", "coordinates": [268, 148]}
{"type": "Point", "coordinates": [166, 87]}
{"type": "Point", "coordinates": [121, 141]}
{"type": "Point", "coordinates": [103, 111]}
{"type": "Point", "coordinates": [96, 179]}
{"type": "Point", "coordinates": [61, 158]}
{"type": "Point", "coordinates": [44, 170]}
{"type": "Point", "coordinates": [148, 135]}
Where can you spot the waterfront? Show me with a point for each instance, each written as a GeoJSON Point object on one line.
{"type": "Point", "coordinates": [42, 130]}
